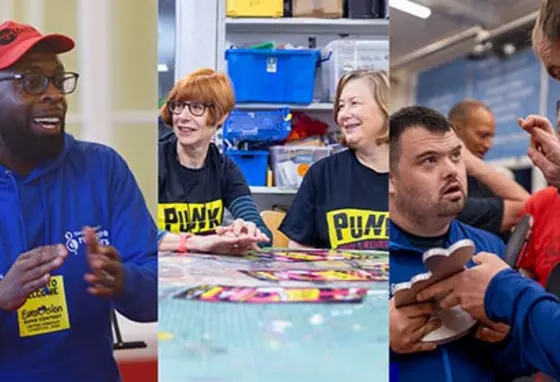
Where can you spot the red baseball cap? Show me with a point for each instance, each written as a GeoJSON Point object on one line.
{"type": "Point", "coordinates": [17, 39]}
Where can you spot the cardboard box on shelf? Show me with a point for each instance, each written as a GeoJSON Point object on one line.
{"type": "Point", "coordinates": [326, 9]}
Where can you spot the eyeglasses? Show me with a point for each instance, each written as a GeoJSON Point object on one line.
{"type": "Point", "coordinates": [36, 84]}
{"type": "Point", "coordinates": [195, 108]}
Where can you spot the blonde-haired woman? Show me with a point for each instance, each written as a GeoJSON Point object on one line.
{"type": "Point", "coordinates": [343, 200]}
{"type": "Point", "coordinates": [196, 181]}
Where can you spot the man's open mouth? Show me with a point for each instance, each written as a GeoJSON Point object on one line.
{"type": "Point", "coordinates": [52, 124]}
{"type": "Point", "coordinates": [453, 191]}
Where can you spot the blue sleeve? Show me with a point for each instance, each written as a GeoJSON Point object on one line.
{"type": "Point", "coordinates": [135, 237]}
{"type": "Point", "coordinates": [533, 315]}
{"type": "Point", "coordinates": [160, 235]}
{"type": "Point", "coordinates": [508, 362]}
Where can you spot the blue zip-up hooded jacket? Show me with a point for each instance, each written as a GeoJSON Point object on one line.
{"type": "Point", "coordinates": [87, 185]}
{"type": "Point", "coordinates": [464, 360]}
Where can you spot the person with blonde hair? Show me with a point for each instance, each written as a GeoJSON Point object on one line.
{"type": "Point", "coordinates": [343, 200]}
{"type": "Point", "coordinates": [196, 181]}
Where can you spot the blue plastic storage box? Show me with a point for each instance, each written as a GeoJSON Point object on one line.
{"type": "Point", "coordinates": [253, 165]}
{"type": "Point", "coordinates": [273, 75]}
{"type": "Point", "coordinates": [258, 125]}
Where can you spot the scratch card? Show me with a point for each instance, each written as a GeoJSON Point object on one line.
{"type": "Point", "coordinates": [318, 275]}
{"type": "Point", "coordinates": [272, 295]}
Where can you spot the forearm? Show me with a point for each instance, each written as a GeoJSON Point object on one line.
{"type": "Point", "coordinates": [512, 214]}
{"type": "Point", "coordinates": [169, 242]}
{"type": "Point", "coordinates": [533, 316]}
{"type": "Point", "coordinates": [498, 183]}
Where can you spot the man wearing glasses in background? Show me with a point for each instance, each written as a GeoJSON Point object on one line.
{"type": "Point", "coordinates": [76, 238]}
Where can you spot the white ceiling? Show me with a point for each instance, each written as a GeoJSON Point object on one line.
{"type": "Point", "coordinates": [450, 17]}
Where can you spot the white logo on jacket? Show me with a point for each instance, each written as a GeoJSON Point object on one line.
{"type": "Point", "coordinates": [75, 239]}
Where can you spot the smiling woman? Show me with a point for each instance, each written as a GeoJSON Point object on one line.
{"type": "Point", "coordinates": [196, 181]}
{"type": "Point", "coordinates": [332, 209]}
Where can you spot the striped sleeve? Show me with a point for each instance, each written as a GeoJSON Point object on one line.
{"type": "Point", "coordinates": [244, 208]}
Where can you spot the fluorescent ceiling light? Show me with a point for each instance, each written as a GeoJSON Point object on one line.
{"type": "Point", "coordinates": [411, 8]}
{"type": "Point", "coordinates": [162, 68]}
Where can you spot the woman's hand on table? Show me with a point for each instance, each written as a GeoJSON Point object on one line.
{"type": "Point", "coordinates": [225, 242]}
{"type": "Point", "coordinates": [222, 244]}
{"type": "Point", "coordinates": [241, 228]}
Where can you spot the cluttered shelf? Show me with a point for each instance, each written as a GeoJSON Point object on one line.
{"type": "Point", "coordinates": [285, 59]}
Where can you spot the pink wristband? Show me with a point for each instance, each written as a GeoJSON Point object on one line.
{"type": "Point", "coordinates": [183, 243]}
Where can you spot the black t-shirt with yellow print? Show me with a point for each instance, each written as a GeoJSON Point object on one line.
{"type": "Point", "coordinates": [340, 204]}
{"type": "Point", "coordinates": [193, 200]}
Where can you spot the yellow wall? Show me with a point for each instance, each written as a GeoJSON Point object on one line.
{"type": "Point", "coordinates": [134, 59]}
{"type": "Point", "coordinates": [133, 53]}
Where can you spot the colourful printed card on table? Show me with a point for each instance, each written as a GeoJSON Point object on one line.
{"type": "Point", "coordinates": [271, 295]}
{"type": "Point", "coordinates": [319, 275]}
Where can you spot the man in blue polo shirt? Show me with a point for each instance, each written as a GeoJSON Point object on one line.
{"type": "Point", "coordinates": [427, 191]}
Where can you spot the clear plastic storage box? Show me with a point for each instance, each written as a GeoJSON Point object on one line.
{"type": "Point", "coordinates": [291, 163]}
{"type": "Point", "coordinates": [343, 56]}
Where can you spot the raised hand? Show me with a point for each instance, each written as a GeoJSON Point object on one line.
{"type": "Point", "coordinates": [30, 272]}
{"type": "Point", "coordinates": [107, 271]}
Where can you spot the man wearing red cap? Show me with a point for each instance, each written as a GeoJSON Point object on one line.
{"type": "Point", "coordinates": [59, 281]}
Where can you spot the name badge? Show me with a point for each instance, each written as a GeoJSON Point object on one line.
{"type": "Point", "coordinates": [45, 310]}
